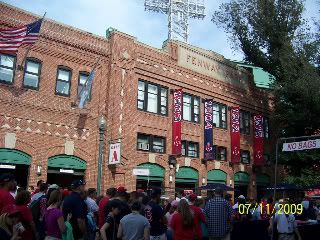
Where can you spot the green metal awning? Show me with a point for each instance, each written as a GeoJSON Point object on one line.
{"type": "Point", "coordinates": [156, 172]}
{"type": "Point", "coordinates": [67, 162]}
{"type": "Point", "coordinates": [217, 176]}
{"type": "Point", "coordinates": [187, 174]}
{"type": "Point", "coordinates": [241, 178]}
{"type": "Point", "coordinates": [262, 180]}
{"type": "Point", "coordinates": [13, 156]}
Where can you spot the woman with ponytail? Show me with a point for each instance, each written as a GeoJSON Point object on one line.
{"type": "Point", "coordinates": [183, 223]}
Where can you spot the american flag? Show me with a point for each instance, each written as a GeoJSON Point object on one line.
{"type": "Point", "coordinates": [12, 38]}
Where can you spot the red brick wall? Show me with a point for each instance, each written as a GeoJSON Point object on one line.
{"type": "Point", "coordinates": [123, 61]}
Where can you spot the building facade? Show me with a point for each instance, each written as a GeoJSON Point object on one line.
{"type": "Point", "coordinates": [43, 135]}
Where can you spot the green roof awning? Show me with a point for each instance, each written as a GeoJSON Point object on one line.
{"type": "Point", "coordinates": [217, 176]}
{"type": "Point", "coordinates": [67, 161]}
{"type": "Point", "coordinates": [262, 180]}
{"type": "Point", "coordinates": [13, 156]}
{"type": "Point", "coordinates": [241, 178]}
{"type": "Point", "coordinates": [156, 172]}
{"type": "Point", "coordinates": [187, 174]}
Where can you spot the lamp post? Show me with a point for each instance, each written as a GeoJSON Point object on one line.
{"type": "Point", "coordinates": [102, 123]}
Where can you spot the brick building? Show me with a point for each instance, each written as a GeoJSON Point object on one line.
{"type": "Point", "coordinates": [43, 136]}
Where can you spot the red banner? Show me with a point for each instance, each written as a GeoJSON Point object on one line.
{"type": "Point", "coordinates": [235, 135]}
{"type": "Point", "coordinates": [176, 122]}
{"type": "Point", "coordinates": [258, 144]}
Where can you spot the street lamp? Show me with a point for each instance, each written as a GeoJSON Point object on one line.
{"type": "Point", "coordinates": [102, 124]}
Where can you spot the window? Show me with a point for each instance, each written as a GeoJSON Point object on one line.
{"type": "Point", "coordinates": [152, 98]}
{"type": "Point", "coordinates": [191, 108]}
{"type": "Point", "coordinates": [219, 115]}
{"type": "Point", "coordinates": [32, 74]}
{"type": "Point", "coordinates": [83, 76]}
{"type": "Point", "coordinates": [151, 143]}
{"type": "Point", "coordinates": [63, 81]}
{"type": "Point", "coordinates": [222, 153]}
{"type": "Point", "coordinates": [245, 156]}
{"type": "Point", "coordinates": [7, 67]}
{"type": "Point", "coordinates": [190, 149]}
{"type": "Point", "coordinates": [244, 122]}
{"type": "Point", "coordinates": [266, 127]}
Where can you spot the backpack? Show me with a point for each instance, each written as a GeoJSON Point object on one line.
{"type": "Point", "coordinates": [35, 209]}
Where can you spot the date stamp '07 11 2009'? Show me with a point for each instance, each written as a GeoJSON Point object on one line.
{"type": "Point", "coordinates": [270, 209]}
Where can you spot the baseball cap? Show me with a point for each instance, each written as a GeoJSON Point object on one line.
{"type": "Point", "coordinates": [121, 189]}
{"type": "Point", "coordinates": [242, 197]}
{"type": "Point", "coordinates": [10, 209]}
{"type": "Point", "coordinates": [193, 197]}
{"type": "Point", "coordinates": [6, 177]}
{"type": "Point", "coordinates": [53, 186]}
{"type": "Point", "coordinates": [77, 183]}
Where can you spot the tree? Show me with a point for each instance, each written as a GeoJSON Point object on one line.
{"type": "Point", "coordinates": [273, 35]}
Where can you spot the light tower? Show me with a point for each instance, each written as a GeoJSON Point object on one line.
{"type": "Point", "coordinates": [178, 11]}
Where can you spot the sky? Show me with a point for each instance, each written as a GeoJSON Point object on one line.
{"type": "Point", "coordinates": [128, 16]}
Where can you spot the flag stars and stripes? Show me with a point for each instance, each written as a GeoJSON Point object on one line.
{"type": "Point", "coordinates": [12, 38]}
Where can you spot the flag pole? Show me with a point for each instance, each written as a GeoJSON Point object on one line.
{"type": "Point", "coordinates": [21, 66]}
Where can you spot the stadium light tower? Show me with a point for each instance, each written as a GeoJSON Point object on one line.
{"type": "Point", "coordinates": [178, 11]}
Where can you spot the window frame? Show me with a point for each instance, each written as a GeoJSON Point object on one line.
{"type": "Point", "coordinates": [34, 60]}
{"type": "Point", "coordinates": [193, 97]}
{"type": "Point", "coordinates": [220, 105]}
{"type": "Point", "coordinates": [151, 143]}
{"type": "Point", "coordinates": [266, 137]}
{"type": "Point", "coordinates": [186, 143]}
{"type": "Point", "coordinates": [13, 68]}
{"type": "Point", "coordinates": [243, 130]}
{"type": "Point", "coordinates": [241, 158]}
{"type": "Point", "coordinates": [145, 98]}
{"type": "Point", "coordinates": [219, 148]}
{"type": "Point", "coordinates": [84, 73]}
{"type": "Point", "coordinates": [66, 69]}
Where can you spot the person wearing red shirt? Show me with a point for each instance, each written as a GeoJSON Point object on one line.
{"type": "Point", "coordinates": [111, 192]}
{"type": "Point", "coordinates": [198, 214]}
{"type": "Point", "coordinates": [183, 223]}
{"type": "Point", "coordinates": [23, 198]}
{"type": "Point", "coordinates": [7, 184]}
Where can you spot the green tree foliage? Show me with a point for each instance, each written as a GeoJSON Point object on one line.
{"type": "Point", "coordinates": [273, 35]}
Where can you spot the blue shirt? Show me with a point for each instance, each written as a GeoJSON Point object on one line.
{"type": "Point", "coordinates": [75, 205]}
{"type": "Point", "coordinates": [218, 214]}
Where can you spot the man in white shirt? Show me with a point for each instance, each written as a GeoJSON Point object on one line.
{"type": "Point", "coordinates": [286, 225]}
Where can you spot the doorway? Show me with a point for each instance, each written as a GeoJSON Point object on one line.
{"type": "Point", "coordinates": [20, 172]}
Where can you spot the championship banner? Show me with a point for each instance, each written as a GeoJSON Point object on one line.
{"type": "Point", "coordinates": [176, 122]}
{"type": "Point", "coordinates": [235, 135]}
{"type": "Point", "coordinates": [208, 130]}
{"type": "Point", "coordinates": [258, 140]}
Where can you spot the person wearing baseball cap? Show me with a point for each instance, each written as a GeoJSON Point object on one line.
{"type": "Point", "coordinates": [7, 184]}
{"type": "Point", "coordinates": [9, 217]}
{"type": "Point", "coordinates": [75, 205]}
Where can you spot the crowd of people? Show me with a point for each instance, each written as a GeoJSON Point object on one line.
{"type": "Point", "coordinates": [50, 212]}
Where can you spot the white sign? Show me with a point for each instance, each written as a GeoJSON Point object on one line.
{"type": "Point", "coordinates": [66, 171]}
{"type": "Point", "coordinates": [299, 146]}
{"type": "Point", "coordinates": [141, 172]}
{"type": "Point", "coordinates": [7, 166]}
{"type": "Point", "coordinates": [115, 153]}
